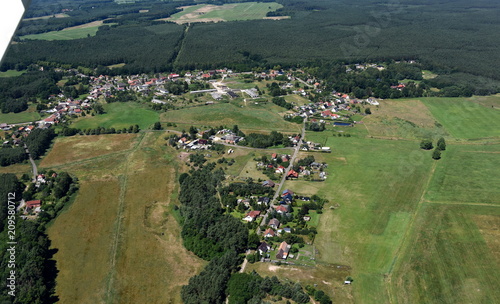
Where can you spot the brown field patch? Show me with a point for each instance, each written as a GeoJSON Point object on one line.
{"type": "Point", "coordinates": [328, 278]}
{"type": "Point", "coordinates": [82, 235]}
{"type": "Point", "coordinates": [411, 110]}
{"type": "Point", "coordinates": [277, 18]}
{"type": "Point", "coordinates": [86, 25]}
{"type": "Point", "coordinates": [77, 148]}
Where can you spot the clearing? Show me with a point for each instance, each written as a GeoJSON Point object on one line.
{"type": "Point", "coordinates": [69, 33]}
{"type": "Point", "coordinates": [226, 12]}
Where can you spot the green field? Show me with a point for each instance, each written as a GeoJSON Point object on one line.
{"type": "Point", "coordinates": [464, 119]}
{"type": "Point", "coordinates": [29, 115]}
{"type": "Point", "coordinates": [83, 31]}
{"type": "Point", "coordinates": [453, 257]}
{"type": "Point", "coordinates": [467, 174]}
{"type": "Point", "coordinates": [11, 73]}
{"type": "Point", "coordinates": [226, 12]}
{"type": "Point", "coordinates": [120, 115]}
{"type": "Point", "coordinates": [263, 117]}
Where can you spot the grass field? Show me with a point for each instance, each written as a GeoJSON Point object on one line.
{"type": "Point", "coordinates": [453, 257]}
{"type": "Point", "coordinates": [252, 117]}
{"type": "Point", "coordinates": [226, 12]}
{"type": "Point", "coordinates": [467, 174]}
{"type": "Point", "coordinates": [465, 119]}
{"type": "Point", "coordinates": [120, 115]}
{"type": "Point", "coordinates": [30, 115]}
{"type": "Point", "coordinates": [408, 119]}
{"type": "Point", "coordinates": [11, 73]}
{"type": "Point", "coordinates": [118, 242]}
{"type": "Point", "coordinates": [76, 32]}
{"type": "Point", "coordinates": [78, 148]}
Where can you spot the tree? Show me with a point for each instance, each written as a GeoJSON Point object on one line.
{"type": "Point", "coordinates": [441, 144]}
{"type": "Point", "coordinates": [436, 154]}
{"type": "Point", "coordinates": [157, 126]}
{"type": "Point", "coordinates": [368, 111]}
{"type": "Point", "coordinates": [426, 144]}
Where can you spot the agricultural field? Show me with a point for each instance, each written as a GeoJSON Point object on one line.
{"type": "Point", "coordinates": [119, 234]}
{"type": "Point", "coordinates": [226, 12]}
{"type": "Point", "coordinates": [467, 174]}
{"type": "Point", "coordinates": [11, 73]}
{"type": "Point", "coordinates": [261, 117]}
{"type": "Point", "coordinates": [70, 33]}
{"type": "Point", "coordinates": [452, 257]}
{"type": "Point", "coordinates": [78, 148]}
{"type": "Point", "coordinates": [30, 115]}
{"type": "Point", "coordinates": [464, 119]}
{"type": "Point", "coordinates": [409, 119]}
{"type": "Point", "coordinates": [120, 115]}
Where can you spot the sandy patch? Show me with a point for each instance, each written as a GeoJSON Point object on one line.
{"type": "Point", "coordinates": [90, 24]}
{"type": "Point", "coordinates": [277, 18]}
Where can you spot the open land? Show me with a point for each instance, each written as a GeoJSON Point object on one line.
{"type": "Point", "coordinates": [69, 33]}
{"type": "Point", "coordinates": [121, 215]}
{"type": "Point", "coordinates": [226, 12]}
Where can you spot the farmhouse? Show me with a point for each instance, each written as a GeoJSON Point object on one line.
{"type": "Point", "coordinates": [268, 183]}
{"type": "Point", "coordinates": [36, 204]}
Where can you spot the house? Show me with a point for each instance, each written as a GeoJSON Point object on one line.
{"type": "Point", "coordinates": [283, 251]}
{"type": "Point", "coordinates": [263, 200]}
{"type": "Point", "coordinates": [280, 170]}
{"type": "Point", "coordinates": [263, 248]}
{"type": "Point", "coordinates": [288, 198]}
{"type": "Point", "coordinates": [292, 174]}
{"type": "Point", "coordinates": [274, 223]}
{"type": "Point", "coordinates": [307, 218]}
{"type": "Point", "coordinates": [287, 191]}
{"type": "Point", "coordinates": [269, 233]}
{"type": "Point", "coordinates": [251, 216]}
{"type": "Point", "coordinates": [282, 209]}
{"type": "Point", "coordinates": [274, 156]}
{"type": "Point", "coordinates": [268, 183]}
{"type": "Point", "coordinates": [232, 94]}
{"type": "Point", "coordinates": [30, 205]}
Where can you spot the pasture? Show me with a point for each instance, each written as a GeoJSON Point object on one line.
{"type": "Point", "coordinates": [465, 119]}
{"type": "Point", "coordinates": [120, 115]}
{"type": "Point", "coordinates": [452, 257]}
{"type": "Point", "coordinates": [467, 174]}
{"type": "Point", "coordinates": [70, 33]}
{"type": "Point", "coordinates": [261, 117]}
{"type": "Point", "coordinates": [119, 235]}
{"type": "Point", "coordinates": [226, 12]}
{"type": "Point", "coordinates": [407, 119]}
{"type": "Point", "coordinates": [30, 115]}
{"type": "Point", "coordinates": [11, 73]}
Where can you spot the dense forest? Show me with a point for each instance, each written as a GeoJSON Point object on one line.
{"type": "Point", "coordinates": [455, 38]}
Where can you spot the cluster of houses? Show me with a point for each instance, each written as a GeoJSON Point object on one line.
{"type": "Point", "coordinates": [196, 144]}
{"type": "Point", "coordinates": [227, 136]}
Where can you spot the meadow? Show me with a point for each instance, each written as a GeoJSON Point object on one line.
{"type": "Point", "coordinates": [226, 12]}
{"type": "Point", "coordinates": [261, 117]}
{"type": "Point", "coordinates": [465, 119]}
{"type": "Point", "coordinates": [30, 115]}
{"type": "Point", "coordinates": [66, 34]}
{"type": "Point", "coordinates": [11, 73]}
{"type": "Point", "coordinates": [119, 235]}
{"type": "Point", "coordinates": [120, 115]}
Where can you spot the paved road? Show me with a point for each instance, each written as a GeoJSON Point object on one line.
{"type": "Point", "coordinates": [33, 165]}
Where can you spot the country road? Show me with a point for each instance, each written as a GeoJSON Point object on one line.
{"type": "Point", "coordinates": [283, 178]}
{"type": "Point", "coordinates": [33, 165]}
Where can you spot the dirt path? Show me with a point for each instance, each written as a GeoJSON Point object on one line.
{"type": "Point", "coordinates": [119, 219]}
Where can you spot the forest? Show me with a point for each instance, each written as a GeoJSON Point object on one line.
{"type": "Point", "coordinates": [457, 39]}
